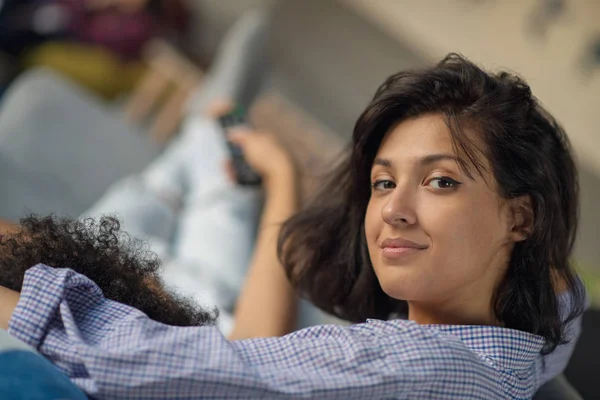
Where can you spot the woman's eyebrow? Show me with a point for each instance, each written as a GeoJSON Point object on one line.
{"type": "Point", "coordinates": [384, 162]}
{"type": "Point", "coordinates": [423, 160]}
{"type": "Point", "coordinates": [428, 160]}
{"type": "Point", "coordinates": [433, 158]}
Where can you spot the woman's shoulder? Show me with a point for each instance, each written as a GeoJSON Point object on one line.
{"type": "Point", "coordinates": [495, 362]}
{"type": "Point", "coordinates": [499, 347]}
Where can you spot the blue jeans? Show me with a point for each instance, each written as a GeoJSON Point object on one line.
{"type": "Point", "coordinates": [201, 225]}
{"type": "Point", "coordinates": [24, 374]}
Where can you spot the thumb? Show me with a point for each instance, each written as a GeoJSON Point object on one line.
{"type": "Point", "coordinates": [230, 171]}
{"type": "Point", "coordinates": [238, 135]}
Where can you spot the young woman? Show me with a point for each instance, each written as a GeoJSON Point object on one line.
{"type": "Point", "coordinates": [457, 204]}
{"type": "Point", "coordinates": [457, 208]}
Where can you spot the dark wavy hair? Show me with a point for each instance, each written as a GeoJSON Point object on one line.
{"type": "Point", "coordinates": [324, 250]}
{"type": "Point", "coordinates": [122, 267]}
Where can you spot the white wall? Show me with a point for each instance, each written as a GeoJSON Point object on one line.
{"type": "Point", "coordinates": [493, 33]}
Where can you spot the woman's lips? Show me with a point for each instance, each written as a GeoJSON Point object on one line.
{"type": "Point", "coordinates": [395, 248]}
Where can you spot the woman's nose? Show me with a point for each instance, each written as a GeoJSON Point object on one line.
{"type": "Point", "coordinates": [399, 208]}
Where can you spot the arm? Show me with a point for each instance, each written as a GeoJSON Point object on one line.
{"type": "Point", "coordinates": [8, 298]}
{"type": "Point", "coordinates": [267, 304]}
{"type": "Point", "coordinates": [114, 351]}
{"type": "Point", "coordinates": [8, 302]}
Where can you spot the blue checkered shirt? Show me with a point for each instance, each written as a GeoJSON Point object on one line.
{"type": "Point", "coordinates": [113, 351]}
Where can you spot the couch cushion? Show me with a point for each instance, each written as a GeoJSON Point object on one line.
{"type": "Point", "coordinates": [24, 191]}
{"type": "Point", "coordinates": [66, 137]}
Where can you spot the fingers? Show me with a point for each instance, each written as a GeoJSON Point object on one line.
{"type": "Point", "coordinates": [241, 133]}
{"type": "Point", "coordinates": [219, 108]}
{"type": "Point", "coordinates": [230, 171]}
{"type": "Point", "coordinates": [240, 136]}
{"type": "Point", "coordinates": [7, 226]}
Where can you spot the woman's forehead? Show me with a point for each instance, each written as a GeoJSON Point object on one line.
{"type": "Point", "coordinates": [428, 138]}
{"type": "Point", "coordinates": [417, 137]}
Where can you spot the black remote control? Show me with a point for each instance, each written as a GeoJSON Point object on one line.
{"type": "Point", "coordinates": [244, 173]}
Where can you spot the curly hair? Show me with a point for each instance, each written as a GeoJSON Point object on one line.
{"type": "Point", "coordinates": [122, 267]}
{"type": "Point", "coordinates": [324, 250]}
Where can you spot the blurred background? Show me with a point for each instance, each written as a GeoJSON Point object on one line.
{"type": "Point", "coordinates": [314, 67]}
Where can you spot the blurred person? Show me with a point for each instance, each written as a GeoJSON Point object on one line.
{"type": "Point", "coordinates": [120, 26]}
{"type": "Point", "coordinates": [456, 208]}
{"type": "Point", "coordinates": [183, 204]}
{"type": "Point", "coordinates": [124, 268]}
{"type": "Point", "coordinates": [185, 207]}
{"type": "Point", "coordinates": [201, 224]}
{"type": "Point", "coordinates": [98, 43]}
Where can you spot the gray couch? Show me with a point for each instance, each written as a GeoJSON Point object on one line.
{"type": "Point", "coordinates": [61, 160]}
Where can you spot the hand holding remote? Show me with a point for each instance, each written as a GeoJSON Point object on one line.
{"type": "Point", "coordinates": [263, 152]}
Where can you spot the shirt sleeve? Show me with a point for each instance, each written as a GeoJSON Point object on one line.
{"type": "Point", "coordinates": [111, 350]}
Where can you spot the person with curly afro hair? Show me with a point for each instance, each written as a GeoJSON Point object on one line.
{"type": "Point", "coordinates": [122, 267]}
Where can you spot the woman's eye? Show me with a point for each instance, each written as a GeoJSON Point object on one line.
{"type": "Point", "coordinates": [443, 182]}
{"type": "Point", "coordinates": [383, 185]}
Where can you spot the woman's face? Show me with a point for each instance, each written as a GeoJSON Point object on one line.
{"type": "Point", "coordinates": [437, 238]}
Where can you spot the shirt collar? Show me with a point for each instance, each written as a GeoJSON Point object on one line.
{"type": "Point", "coordinates": [509, 348]}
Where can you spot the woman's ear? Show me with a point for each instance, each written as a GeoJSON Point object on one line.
{"type": "Point", "coordinates": [522, 218]}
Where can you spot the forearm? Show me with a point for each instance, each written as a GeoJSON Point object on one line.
{"type": "Point", "coordinates": [7, 226]}
{"type": "Point", "coordinates": [67, 319]}
{"type": "Point", "coordinates": [8, 298]}
{"type": "Point", "coordinates": [8, 302]}
{"type": "Point", "coordinates": [267, 304]}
